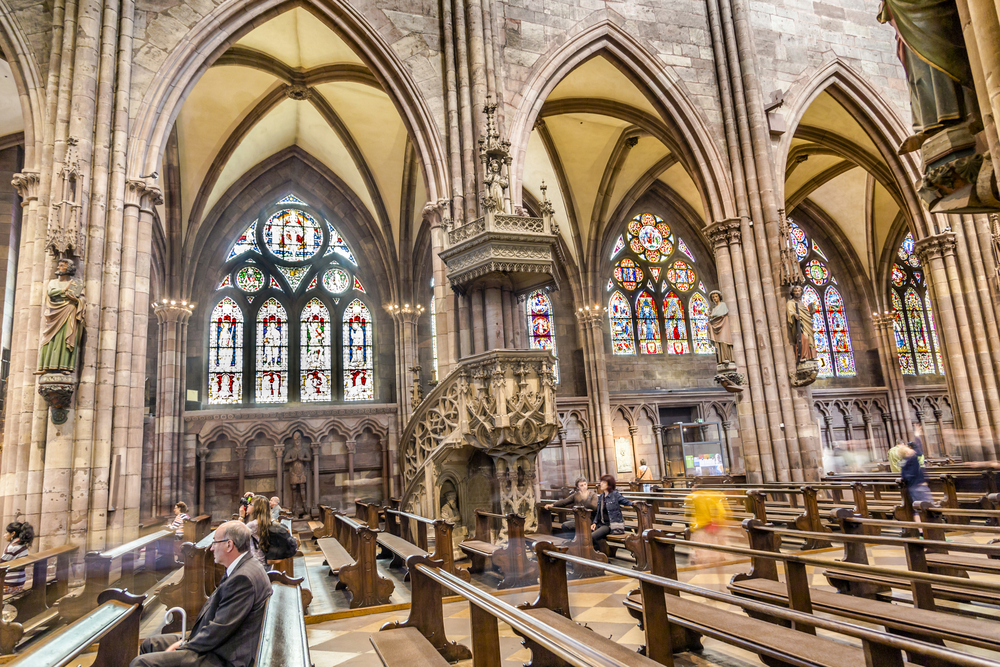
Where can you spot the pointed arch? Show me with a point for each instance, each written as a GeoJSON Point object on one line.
{"type": "Point", "coordinates": [27, 80]}
{"type": "Point", "coordinates": [620, 317]}
{"type": "Point", "coordinates": [599, 34]}
{"type": "Point", "coordinates": [877, 118]}
{"type": "Point", "coordinates": [315, 356]}
{"type": "Point", "coordinates": [649, 324]}
{"type": "Point", "coordinates": [359, 365]}
{"type": "Point", "coordinates": [212, 36]}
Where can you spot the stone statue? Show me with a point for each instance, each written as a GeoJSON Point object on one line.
{"type": "Point", "coordinates": [719, 333]}
{"type": "Point", "coordinates": [451, 514]}
{"type": "Point", "coordinates": [931, 47]}
{"type": "Point", "coordinates": [800, 325]}
{"type": "Point", "coordinates": [800, 332]}
{"type": "Point", "coordinates": [496, 184]}
{"type": "Point", "coordinates": [62, 327]}
{"type": "Point", "coordinates": [298, 460]}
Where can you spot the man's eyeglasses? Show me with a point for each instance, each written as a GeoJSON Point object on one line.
{"type": "Point", "coordinates": [214, 542]}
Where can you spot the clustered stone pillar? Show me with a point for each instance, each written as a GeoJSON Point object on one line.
{"type": "Point", "coordinates": [889, 357]}
{"type": "Point", "coordinates": [956, 270]}
{"type": "Point", "coordinates": [279, 457]}
{"type": "Point", "coordinates": [170, 391]}
{"type": "Point", "coordinates": [602, 447]}
{"type": "Point", "coordinates": [315, 447]}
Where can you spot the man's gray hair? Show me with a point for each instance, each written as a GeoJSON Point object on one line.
{"type": "Point", "coordinates": [239, 534]}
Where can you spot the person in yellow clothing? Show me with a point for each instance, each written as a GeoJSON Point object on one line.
{"type": "Point", "coordinates": [706, 510]}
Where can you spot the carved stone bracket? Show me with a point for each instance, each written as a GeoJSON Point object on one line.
{"type": "Point", "coordinates": [57, 390]}
{"type": "Point", "coordinates": [805, 373]}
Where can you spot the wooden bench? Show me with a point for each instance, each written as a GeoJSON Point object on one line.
{"type": "Point", "coordinates": [283, 641]}
{"type": "Point", "coordinates": [582, 542]}
{"type": "Point", "coordinates": [510, 560]}
{"type": "Point", "coordinates": [329, 528]}
{"type": "Point", "coordinates": [159, 555]}
{"type": "Point", "coordinates": [401, 548]}
{"type": "Point", "coordinates": [197, 528]}
{"type": "Point", "coordinates": [357, 571]}
{"type": "Point", "coordinates": [663, 614]}
{"type": "Point", "coordinates": [421, 640]}
{"type": "Point", "coordinates": [191, 592]}
{"type": "Point", "coordinates": [367, 513]}
{"type": "Point", "coordinates": [34, 605]}
{"type": "Point", "coordinates": [114, 622]}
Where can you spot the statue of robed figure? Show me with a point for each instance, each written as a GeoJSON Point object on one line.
{"type": "Point", "coordinates": [63, 321]}
{"type": "Point", "coordinates": [718, 331]}
{"type": "Point", "coordinates": [800, 331]}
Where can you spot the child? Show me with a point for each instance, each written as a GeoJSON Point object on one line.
{"type": "Point", "coordinates": [19, 538]}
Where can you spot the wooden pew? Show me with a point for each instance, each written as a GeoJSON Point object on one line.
{"type": "Point", "coordinates": [191, 592]}
{"type": "Point", "coordinates": [34, 605]}
{"type": "Point", "coordinates": [283, 641]}
{"type": "Point", "coordinates": [197, 528]}
{"type": "Point", "coordinates": [582, 542]}
{"type": "Point", "coordinates": [114, 622]}
{"type": "Point", "coordinates": [367, 513]}
{"type": "Point", "coordinates": [660, 606]}
{"type": "Point", "coordinates": [511, 560]}
{"type": "Point", "coordinates": [421, 641]}
{"type": "Point", "coordinates": [762, 583]}
{"type": "Point", "coordinates": [645, 520]}
{"type": "Point", "coordinates": [329, 528]}
{"type": "Point", "coordinates": [354, 564]}
{"type": "Point", "coordinates": [400, 546]}
{"type": "Point", "coordinates": [159, 548]}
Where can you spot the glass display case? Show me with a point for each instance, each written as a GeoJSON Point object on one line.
{"type": "Point", "coordinates": [694, 449]}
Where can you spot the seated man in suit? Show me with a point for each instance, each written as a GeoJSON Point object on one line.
{"type": "Point", "coordinates": [227, 629]}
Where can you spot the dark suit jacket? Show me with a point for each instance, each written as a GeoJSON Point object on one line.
{"type": "Point", "coordinates": [229, 623]}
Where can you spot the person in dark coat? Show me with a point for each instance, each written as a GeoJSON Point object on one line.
{"type": "Point", "coordinates": [227, 629]}
{"type": "Point", "coordinates": [581, 496]}
{"type": "Point", "coordinates": [607, 518]}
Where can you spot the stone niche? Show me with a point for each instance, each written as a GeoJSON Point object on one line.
{"type": "Point", "coordinates": [240, 452]}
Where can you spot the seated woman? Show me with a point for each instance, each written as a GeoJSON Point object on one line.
{"type": "Point", "coordinates": [580, 496]}
{"type": "Point", "coordinates": [19, 539]}
{"type": "Point", "coordinates": [259, 525]}
{"type": "Point", "coordinates": [607, 518]}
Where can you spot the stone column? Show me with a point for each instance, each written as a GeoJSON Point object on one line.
{"type": "Point", "coordinates": [931, 251]}
{"type": "Point", "coordinates": [436, 213]}
{"type": "Point", "coordinates": [633, 431]}
{"type": "Point", "coordinates": [352, 445]}
{"type": "Point", "coordinates": [202, 461]}
{"type": "Point", "coordinates": [478, 327]}
{"type": "Point", "coordinates": [465, 325]}
{"type": "Point", "coordinates": [241, 454]}
{"type": "Point", "coordinates": [725, 440]}
{"type": "Point", "coordinates": [870, 434]}
{"type": "Point", "coordinates": [887, 422]}
{"type": "Point", "coordinates": [315, 447]}
{"type": "Point", "coordinates": [588, 456]}
{"type": "Point", "coordinates": [726, 237]}
{"type": "Point", "coordinates": [508, 318]}
{"type": "Point", "coordinates": [562, 455]}
{"type": "Point", "coordinates": [386, 486]}
{"type": "Point", "coordinates": [520, 322]}
{"type": "Point", "coordinates": [848, 426]}
{"type": "Point", "coordinates": [889, 358]}
{"type": "Point", "coordinates": [493, 325]}
{"type": "Point", "coordinates": [172, 316]}
{"type": "Point", "coordinates": [279, 456]}
{"type": "Point", "coordinates": [592, 337]}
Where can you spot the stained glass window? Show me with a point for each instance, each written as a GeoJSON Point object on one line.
{"type": "Point", "coordinates": [649, 324]}
{"type": "Point", "coordinates": [674, 326]}
{"type": "Point", "coordinates": [226, 282]}
{"type": "Point", "coordinates": [840, 335]}
{"type": "Point", "coordinates": [315, 359]}
{"type": "Point", "coordinates": [650, 238]}
{"type": "Point", "coordinates": [699, 324]}
{"type": "Point", "coordinates": [292, 235]}
{"type": "Point", "coordinates": [916, 334]}
{"type": "Point", "coordinates": [541, 325]}
{"type": "Point", "coordinates": [250, 279]}
{"type": "Point", "coordinates": [619, 246]}
{"type": "Point", "coordinates": [296, 333]}
{"type": "Point", "coordinates": [620, 315]}
{"type": "Point", "coordinates": [902, 336]}
{"type": "Point", "coordinates": [358, 362]}
{"type": "Point", "coordinates": [681, 275]}
{"type": "Point", "coordinates": [336, 280]}
{"type": "Point", "coordinates": [434, 337]}
{"type": "Point", "coordinates": [831, 332]}
{"type": "Point", "coordinates": [651, 259]}
{"type": "Point", "coordinates": [272, 353]}
{"type": "Point", "coordinates": [628, 274]}
{"type": "Point", "coordinates": [225, 353]}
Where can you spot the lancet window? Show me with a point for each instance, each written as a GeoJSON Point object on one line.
{"type": "Point", "coordinates": [541, 326]}
{"type": "Point", "coordinates": [916, 334]}
{"type": "Point", "coordinates": [653, 273]}
{"type": "Point", "coordinates": [831, 331]}
{"type": "Point", "coordinates": [281, 306]}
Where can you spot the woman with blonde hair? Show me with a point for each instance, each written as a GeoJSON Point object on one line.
{"type": "Point", "coordinates": [259, 525]}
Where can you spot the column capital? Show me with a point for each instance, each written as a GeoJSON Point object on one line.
{"type": "Point", "coordinates": [202, 452]}
{"type": "Point", "coordinates": [142, 195]}
{"type": "Point", "coordinates": [934, 247]}
{"type": "Point", "coordinates": [405, 314]}
{"type": "Point", "coordinates": [725, 232]}
{"type": "Point", "coordinates": [172, 311]}
{"type": "Point", "coordinates": [436, 212]}
{"type": "Point", "coordinates": [315, 447]}
{"type": "Point", "coordinates": [26, 183]}
{"type": "Point", "coordinates": [279, 451]}
{"type": "Point", "coordinates": [241, 450]}
{"type": "Point", "coordinates": [590, 318]}
{"type": "Point", "coordinates": [633, 429]}
{"type": "Point", "coordinates": [352, 446]}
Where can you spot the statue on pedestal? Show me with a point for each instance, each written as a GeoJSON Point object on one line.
{"type": "Point", "coordinates": [800, 333]}
{"type": "Point", "coordinates": [451, 514]}
{"type": "Point", "coordinates": [720, 334]}
{"type": "Point", "coordinates": [298, 459]}
{"type": "Point", "coordinates": [62, 328]}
